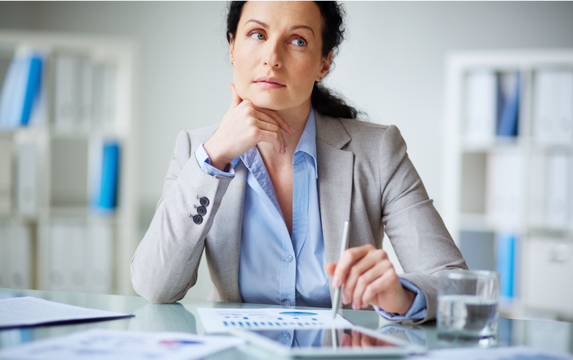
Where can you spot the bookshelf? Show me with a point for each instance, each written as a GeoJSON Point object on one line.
{"type": "Point", "coordinates": [508, 200]}
{"type": "Point", "coordinates": [55, 231]}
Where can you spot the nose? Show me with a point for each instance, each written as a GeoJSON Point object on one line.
{"type": "Point", "coordinates": [273, 58]}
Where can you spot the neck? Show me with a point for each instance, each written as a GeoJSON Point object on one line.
{"type": "Point", "coordinates": [295, 117]}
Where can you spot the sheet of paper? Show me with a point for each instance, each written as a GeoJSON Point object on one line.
{"type": "Point", "coordinates": [29, 311]}
{"type": "Point", "coordinates": [102, 344]}
{"type": "Point", "coordinates": [501, 353]}
{"type": "Point", "coordinates": [216, 320]}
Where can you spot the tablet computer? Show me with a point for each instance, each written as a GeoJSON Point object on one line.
{"type": "Point", "coordinates": [350, 343]}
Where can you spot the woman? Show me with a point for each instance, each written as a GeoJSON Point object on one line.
{"type": "Point", "coordinates": [267, 190]}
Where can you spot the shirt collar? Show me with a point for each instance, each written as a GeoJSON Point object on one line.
{"type": "Point", "coordinates": [306, 144]}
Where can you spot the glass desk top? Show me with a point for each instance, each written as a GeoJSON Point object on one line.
{"type": "Point", "coordinates": [184, 317]}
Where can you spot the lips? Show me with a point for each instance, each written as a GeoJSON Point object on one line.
{"type": "Point", "coordinates": [269, 81]}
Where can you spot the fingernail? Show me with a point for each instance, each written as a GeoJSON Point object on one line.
{"type": "Point", "coordinates": [291, 128]}
{"type": "Point", "coordinates": [345, 299]}
{"type": "Point", "coordinates": [336, 281]}
{"type": "Point", "coordinates": [355, 306]}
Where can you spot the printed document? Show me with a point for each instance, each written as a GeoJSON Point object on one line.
{"type": "Point", "coordinates": [30, 311]}
{"type": "Point", "coordinates": [217, 320]}
{"type": "Point", "coordinates": [103, 344]}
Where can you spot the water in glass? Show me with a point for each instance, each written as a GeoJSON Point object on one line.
{"type": "Point", "coordinates": [467, 316]}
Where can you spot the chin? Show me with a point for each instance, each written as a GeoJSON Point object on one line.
{"type": "Point", "coordinates": [267, 102]}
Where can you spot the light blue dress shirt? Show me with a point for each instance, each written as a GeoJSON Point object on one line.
{"type": "Point", "coordinates": [275, 268]}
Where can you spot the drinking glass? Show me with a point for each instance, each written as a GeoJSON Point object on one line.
{"type": "Point", "coordinates": [468, 304]}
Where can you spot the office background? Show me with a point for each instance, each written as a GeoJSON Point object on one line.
{"type": "Point", "coordinates": [391, 65]}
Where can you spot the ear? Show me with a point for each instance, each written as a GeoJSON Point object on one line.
{"type": "Point", "coordinates": [325, 66]}
{"type": "Point", "coordinates": [231, 48]}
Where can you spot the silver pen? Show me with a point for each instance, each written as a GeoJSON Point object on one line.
{"type": "Point", "coordinates": [343, 246]}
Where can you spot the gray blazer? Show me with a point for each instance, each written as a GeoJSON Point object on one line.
{"type": "Point", "coordinates": [364, 174]}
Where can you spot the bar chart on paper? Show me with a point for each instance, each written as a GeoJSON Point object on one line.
{"type": "Point", "coordinates": [220, 320]}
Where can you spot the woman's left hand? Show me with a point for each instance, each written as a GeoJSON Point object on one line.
{"type": "Point", "coordinates": [369, 278]}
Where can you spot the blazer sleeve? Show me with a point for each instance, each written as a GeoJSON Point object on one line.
{"type": "Point", "coordinates": [165, 263]}
{"type": "Point", "coordinates": [420, 239]}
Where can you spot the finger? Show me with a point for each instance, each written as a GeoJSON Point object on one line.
{"type": "Point", "coordinates": [235, 98]}
{"type": "Point", "coordinates": [345, 340]}
{"type": "Point", "coordinates": [282, 123]}
{"type": "Point", "coordinates": [389, 280]}
{"type": "Point", "coordinates": [348, 258]}
{"type": "Point", "coordinates": [368, 261]}
{"type": "Point", "coordinates": [260, 115]}
{"type": "Point", "coordinates": [272, 138]}
{"type": "Point", "coordinates": [329, 268]}
{"type": "Point", "coordinates": [368, 277]}
{"type": "Point", "coordinates": [270, 127]}
{"type": "Point", "coordinates": [356, 339]}
{"type": "Point", "coordinates": [366, 341]}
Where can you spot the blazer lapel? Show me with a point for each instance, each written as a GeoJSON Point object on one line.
{"type": "Point", "coordinates": [335, 174]}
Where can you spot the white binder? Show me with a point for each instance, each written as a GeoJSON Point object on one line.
{"type": "Point", "coordinates": [99, 258]}
{"type": "Point", "coordinates": [86, 93]}
{"type": "Point", "coordinates": [27, 178]}
{"type": "Point", "coordinates": [104, 100]}
{"type": "Point", "coordinates": [76, 261]}
{"type": "Point", "coordinates": [5, 174]}
{"type": "Point", "coordinates": [59, 253]}
{"type": "Point", "coordinates": [4, 255]}
{"type": "Point", "coordinates": [480, 107]}
{"type": "Point", "coordinates": [537, 174]}
{"type": "Point", "coordinates": [553, 107]}
{"type": "Point", "coordinates": [557, 187]}
{"type": "Point", "coordinates": [505, 189]}
{"type": "Point", "coordinates": [20, 257]}
{"type": "Point", "coordinates": [564, 107]}
{"type": "Point", "coordinates": [66, 91]}
{"type": "Point", "coordinates": [542, 106]}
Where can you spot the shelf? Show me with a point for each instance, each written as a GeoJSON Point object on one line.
{"type": "Point", "coordinates": [86, 133]}
{"type": "Point", "coordinates": [521, 184]}
{"type": "Point", "coordinates": [497, 144]}
{"type": "Point", "coordinates": [64, 160]}
{"type": "Point", "coordinates": [512, 144]}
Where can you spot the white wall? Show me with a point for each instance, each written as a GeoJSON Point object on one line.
{"type": "Point", "coordinates": [391, 65]}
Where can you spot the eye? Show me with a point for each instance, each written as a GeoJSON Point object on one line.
{"type": "Point", "coordinates": [299, 42]}
{"type": "Point", "coordinates": [257, 36]}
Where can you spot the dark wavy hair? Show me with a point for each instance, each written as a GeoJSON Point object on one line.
{"type": "Point", "coordinates": [323, 100]}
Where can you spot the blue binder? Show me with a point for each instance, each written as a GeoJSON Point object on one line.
{"type": "Point", "coordinates": [508, 110]}
{"type": "Point", "coordinates": [505, 263]}
{"type": "Point", "coordinates": [32, 89]}
{"type": "Point", "coordinates": [20, 91]}
{"type": "Point", "coordinates": [106, 199]}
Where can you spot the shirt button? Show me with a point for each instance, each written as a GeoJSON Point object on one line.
{"type": "Point", "coordinates": [287, 335]}
{"type": "Point", "coordinates": [201, 210]}
{"type": "Point", "coordinates": [287, 302]}
{"type": "Point", "coordinates": [198, 219]}
{"type": "Point", "coordinates": [289, 258]}
{"type": "Point", "coordinates": [204, 201]}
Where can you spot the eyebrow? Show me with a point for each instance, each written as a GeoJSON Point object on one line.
{"type": "Point", "coordinates": [292, 27]}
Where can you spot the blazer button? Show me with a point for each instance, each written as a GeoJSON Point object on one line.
{"type": "Point", "coordinates": [204, 201]}
{"type": "Point", "coordinates": [198, 219]}
{"type": "Point", "coordinates": [201, 211]}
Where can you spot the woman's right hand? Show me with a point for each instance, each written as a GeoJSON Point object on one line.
{"type": "Point", "coordinates": [243, 127]}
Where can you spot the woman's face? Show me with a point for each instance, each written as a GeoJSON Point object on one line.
{"type": "Point", "coordinates": [277, 53]}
